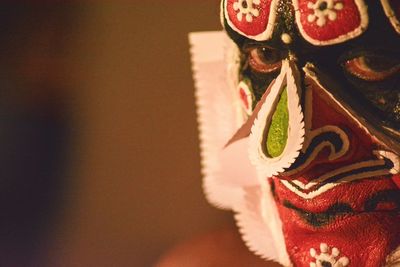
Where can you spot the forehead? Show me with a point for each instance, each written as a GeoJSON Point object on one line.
{"type": "Point", "coordinates": [316, 22]}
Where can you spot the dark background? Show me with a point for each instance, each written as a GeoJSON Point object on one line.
{"type": "Point", "coordinates": [99, 99]}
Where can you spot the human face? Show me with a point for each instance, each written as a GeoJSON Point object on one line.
{"type": "Point", "coordinates": [319, 81]}
{"type": "Point", "coordinates": [352, 72]}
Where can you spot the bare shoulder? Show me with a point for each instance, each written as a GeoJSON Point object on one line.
{"type": "Point", "coordinates": [216, 249]}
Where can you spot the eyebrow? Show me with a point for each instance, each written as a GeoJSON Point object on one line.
{"type": "Point", "coordinates": [248, 44]}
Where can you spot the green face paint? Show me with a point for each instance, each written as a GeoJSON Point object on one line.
{"type": "Point", "coordinates": [278, 130]}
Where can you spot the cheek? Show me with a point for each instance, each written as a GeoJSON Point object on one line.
{"type": "Point", "coordinates": [383, 97]}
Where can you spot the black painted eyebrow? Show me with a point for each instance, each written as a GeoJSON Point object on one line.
{"type": "Point", "coordinates": [249, 44]}
{"type": "Point", "coordinates": [370, 51]}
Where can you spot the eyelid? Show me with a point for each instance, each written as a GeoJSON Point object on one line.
{"type": "Point", "coordinates": [374, 64]}
{"type": "Point", "coordinates": [256, 63]}
{"type": "Point", "coordinates": [353, 54]}
{"type": "Point", "coordinates": [358, 68]}
{"type": "Point", "coordinates": [252, 44]}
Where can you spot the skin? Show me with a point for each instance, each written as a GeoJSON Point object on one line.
{"type": "Point", "coordinates": [359, 72]}
{"type": "Point", "coordinates": [378, 101]}
{"type": "Point", "coordinates": [374, 100]}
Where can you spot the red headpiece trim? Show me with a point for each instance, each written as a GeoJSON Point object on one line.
{"type": "Point", "coordinates": [254, 19]}
{"type": "Point", "coordinates": [326, 22]}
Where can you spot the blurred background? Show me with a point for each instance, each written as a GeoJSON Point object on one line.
{"type": "Point", "coordinates": [99, 144]}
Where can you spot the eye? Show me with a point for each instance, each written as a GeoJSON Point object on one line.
{"type": "Point", "coordinates": [264, 59]}
{"type": "Point", "coordinates": [373, 68]}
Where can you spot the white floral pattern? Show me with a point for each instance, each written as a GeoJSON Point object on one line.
{"type": "Point", "coordinates": [324, 10]}
{"type": "Point", "coordinates": [247, 8]}
{"type": "Point", "coordinates": [325, 259]}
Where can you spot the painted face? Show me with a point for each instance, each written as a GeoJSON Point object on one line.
{"type": "Point", "coordinates": [319, 81]}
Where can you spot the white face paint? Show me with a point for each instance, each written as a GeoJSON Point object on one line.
{"type": "Point", "coordinates": [267, 165]}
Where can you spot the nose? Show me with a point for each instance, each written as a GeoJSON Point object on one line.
{"type": "Point", "coordinates": [307, 130]}
{"type": "Point", "coordinates": [337, 146]}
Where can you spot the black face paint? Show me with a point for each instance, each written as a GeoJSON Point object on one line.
{"type": "Point", "coordinates": [375, 54]}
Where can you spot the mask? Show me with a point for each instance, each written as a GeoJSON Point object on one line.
{"type": "Point", "coordinates": [304, 146]}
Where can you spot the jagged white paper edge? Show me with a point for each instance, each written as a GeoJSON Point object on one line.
{"type": "Point", "coordinates": [260, 225]}
{"type": "Point", "coordinates": [393, 260]}
{"type": "Point", "coordinates": [217, 117]}
{"type": "Point", "coordinates": [228, 174]}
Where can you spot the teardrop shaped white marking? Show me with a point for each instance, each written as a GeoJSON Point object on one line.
{"type": "Point", "coordinates": [268, 166]}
